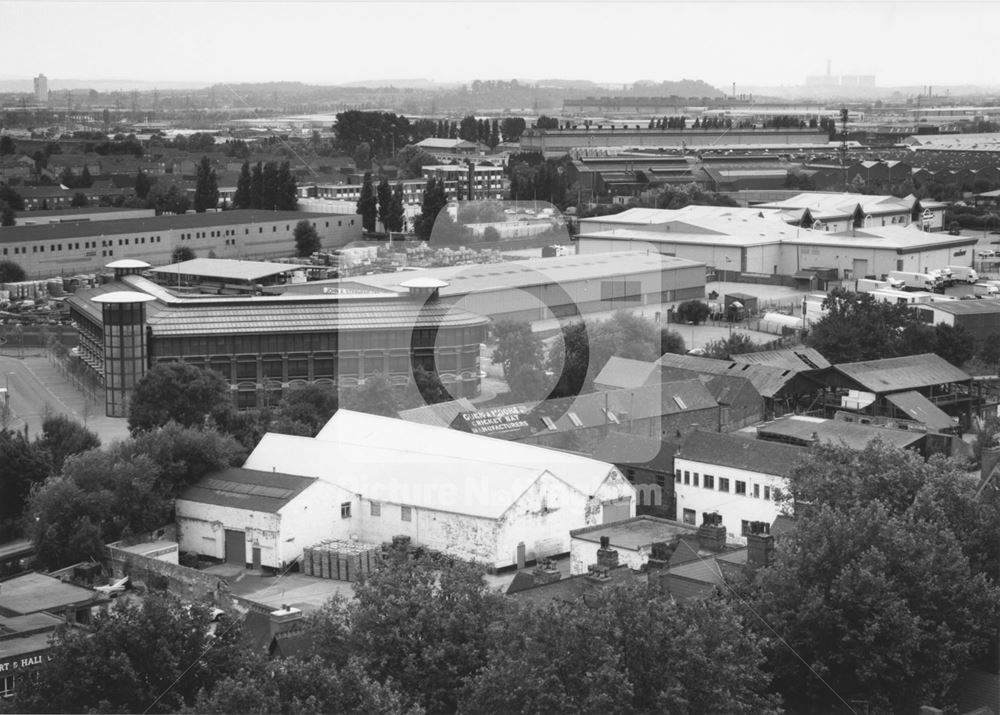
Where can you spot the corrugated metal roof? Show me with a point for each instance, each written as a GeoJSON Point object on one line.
{"type": "Point", "coordinates": [441, 414]}
{"type": "Point", "coordinates": [248, 489]}
{"type": "Point", "coordinates": [767, 380]}
{"type": "Point", "coordinates": [619, 372]}
{"type": "Point", "coordinates": [727, 450]}
{"type": "Point", "coordinates": [902, 373]}
{"type": "Point", "coordinates": [801, 430]}
{"type": "Point", "coordinates": [800, 359]}
{"type": "Point", "coordinates": [919, 408]}
{"type": "Point", "coordinates": [226, 268]}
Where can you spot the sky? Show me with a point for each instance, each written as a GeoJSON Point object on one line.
{"type": "Point", "coordinates": [749, 42]}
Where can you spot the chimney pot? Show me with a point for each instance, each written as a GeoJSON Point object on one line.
{"type": "Point", "coordinates": [545, 571]}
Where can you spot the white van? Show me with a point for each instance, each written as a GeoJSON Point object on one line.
{"type": "Point", "coordinates": [964, 274]}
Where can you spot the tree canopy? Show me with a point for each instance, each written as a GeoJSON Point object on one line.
{"type": "Point", "coordinates": [206, 191]}
{"type": "Point", "coordinates": [306, 239]}
{"type": "Point", "coordinates": [178, 392]}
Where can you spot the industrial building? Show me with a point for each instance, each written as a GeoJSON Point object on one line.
{"type": "Point", "coordinates": [759, 241]}
{"type": "Point", "coordinates": [540, 289]}
{"type": "Point", "coordinates": [264, 344]}
{"type": "Point", "coordinates": [86, 246]}
{"type": "Point", "coordinates": [467, 496]}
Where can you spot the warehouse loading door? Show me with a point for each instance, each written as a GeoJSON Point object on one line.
{"type": "Point", "coordinates": [616, 511]}
{"type": "Point", "coordinates": [236, 547]}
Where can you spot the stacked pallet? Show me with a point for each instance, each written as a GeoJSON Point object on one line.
{"type": "Point", "coordinates": [339, 559]}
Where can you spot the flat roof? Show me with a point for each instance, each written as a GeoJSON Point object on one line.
{"type": "Point", "coordinates": [559, 270]}
{"type": "Point", "coordinates": [227, 269]}
{"type": "Point", "coordinates": [148, 224]}
{"type": "Point", "coordinates": [636, 532]}
{"type": "Point", "coordinates": [34, 592]}
{"type": "Point", "coordinates": [982, 306]}
{"type": "Point", "coordinates": [902, 373]}
{"type": "Point", "coordinates": [904, 239]}
{"type": "Point", "coordinates": [692, 237]}
{"type": "Point", "coordinates": [801, 428]}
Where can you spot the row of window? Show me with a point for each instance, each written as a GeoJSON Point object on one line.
{"type": "Point", "coordinates": [56, 247]}
{"type": "Point", "coordinates": [405, 512]}
{"type": "Point", "coordinates": [739, 486]}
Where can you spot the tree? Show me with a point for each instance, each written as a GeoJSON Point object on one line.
{"type": "Point", "coordinates": [521, 354]}
{"type": "Point", "coordinates": [429, 386]}
{"type": "Point", "coordinates": [206, 192]}
{"type": "Point", "coordinates": [857, 327]}
{"type": "Point", "coordinates": [953, 343]}
{"type": "Point", "coordinates": [375, 396]}
{"type": "Point", "coordinates": [139, 657]}
{"type": "Point", "coordinates": [23, 465]}
{"type": "Point", "coordinates": [434, 202]}
{"type": "Point", "coordinates": [7, 215]}
{"type": "Point", "coordinates": [257, 186]}
{"type": "Point", "coordinates": [672, 342]}
{"type": "Point", "coordinates": [305, 409]}
{"type": "Point", "coordinates": [62, 437]}
{"type": "Point", "coordinates": [693, 311]}
{"type": "Point", "coordinates": [881, 607]}
{"type": "Point", "coordinates": [142, 184]}
{"type": "Point", "coordinates": [286, 189]}
{"type": "Point", "coordinates": [396, 215]}
{"type": "Point", "coordinates": [384, 193]}
{"type": "Point", "coordinates": [511, 128]}
{"type": "Point", "coordinates": [11, 272]}
{"type": "Point", "coordinates": [735, 344]}
{"type": "Point", "coordinates": [622, 650]}
{"type": "Point", "coordinates": [7, 145]}
{"type": "Point", "coordinates": [363, 156]}
{"type": "Point", "coordinates": [367, 204]}
{"type": "Point", "coordinates": [181, 254]}
{"type": "Point", "coordinates": [180, 392]}
{"type": "Point", "coordinates": [989, 350]}
{"type": "Point", "coordinates": [424, 624]}
{"type": "Point", "coordinates": [293, 685]}
{"type": "Point", "coordinates": [411, 160]}
{"type": "Point", "coordinates": [243, 198]}
{"type": "Point", "coordinates": [79, 200]}
{"type": "Point", "coordinates": [306, 239]}
{"type": "Point", "coordinates": [9, 196]}
{"type": "Point", "coordinates": [85, 181]}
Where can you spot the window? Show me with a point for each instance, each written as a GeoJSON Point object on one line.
{"type": "Point", "coordinates": [709, 482]}
{"type": "Point", "coordinates": [741, 488]}
{"type": "Point", "coordinates": [687, 477]}
{"type": "Point", "coordinates": [677, 476]}
{"type": "Point", "coordinates": [345, 510]}
{"type": "Point", "coordinates": [376, 508]}
{"type": "Point", "coordinates": [549, 423]}
{"type": "Point", "coordinates": [723, 484]}
{"type": "Point", "coordinates": [405, 513]}
{"type": "Point", "coordinates": [694, 479]}
{"type": "Point", "coordinates": [689, 517]}
{"type": "Point", "coordinates": [767, 492]}
{"type": "Point", "coordinates": [756, 491]}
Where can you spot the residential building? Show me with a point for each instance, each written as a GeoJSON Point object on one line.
{"type": "Point", "coordinates": [468, 182]}
{"type": "Point", "coordinates": [445, 150]}
{"type": "Point", "coordinates": [41, 89]}
{"type": "Point", "coordinates": [740, 478]}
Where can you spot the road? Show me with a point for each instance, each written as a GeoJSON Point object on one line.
{"type": "Point", "coordinates": [37, 389]}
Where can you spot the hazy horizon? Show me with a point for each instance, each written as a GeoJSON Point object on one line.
{"type": "Point", "coordinates": [751, 43]}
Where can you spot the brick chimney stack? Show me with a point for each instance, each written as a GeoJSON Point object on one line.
{"type": "Point", "coordinates": [607, 558]}
{"type": "Point", "coordinates": [545, 571]}
{"type": "Point", "coordinates": [760, 546]}
{"type": "Point", "coordinates": [711, 533]}
{"type": "Point", "coordinates": [284, 619]}
{"type": "Point", "coordinates": [597, 577]}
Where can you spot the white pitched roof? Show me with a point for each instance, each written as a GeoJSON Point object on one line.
{"type": "Point", "coordinates": [386, 459]}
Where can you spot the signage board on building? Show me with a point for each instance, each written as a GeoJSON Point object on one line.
{"type": "Point", "coordinates": [506, 421]}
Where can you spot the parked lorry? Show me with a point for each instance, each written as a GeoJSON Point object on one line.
{"type": "Point", "coordinates": [916, 281]}
{"type": "Point", "coordinates": [985, 290]}
{"type": "Point", "coordinates": [964, 274]}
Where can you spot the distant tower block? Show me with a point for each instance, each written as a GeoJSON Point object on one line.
{"type": "Point", "coordinates": [41, 89]}
{"type": "Point", "coordinates": [124, 319]}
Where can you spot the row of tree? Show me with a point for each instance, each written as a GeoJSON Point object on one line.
{"type": "Point", "coordinates": [266, 186]}
{"type": "Point", "coordinates": [381, 203]}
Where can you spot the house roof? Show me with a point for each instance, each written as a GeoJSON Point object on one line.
{"type": "Point", "coordinates": [799, 359]}
{"type": "Point", "coordinates": [919, 408]}
{"type": "Point", "coordinates": [441, 414]}
{"type": "Point", "coordinates": [767, 380]}
{"type": "Point", "coordinates": [623, 372]}
{"type": "Point", "coordinates": [435, 143]}
{"type": "Point", "coordinates": [636, 532]}
{"type": "Point", "coordinates": [632, 450]}
{"type": "Point", "coordinates": [902, 373]}
{"type": "Point", "coordinates": [252, 490]}
{"type": "Point", "coordinates": [391, 460]}
{"type": "Point", "coordinates": [726, 450]}
{"type": "Point", "coordinates": [566, 589]}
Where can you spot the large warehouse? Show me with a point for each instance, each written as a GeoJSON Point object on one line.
{"type": "Point", "coordinates": [760, 242]}
{"type": "Point", "coordinates": [264, 344]}
{"type": "Point", "coordinates": [86, 246]}
{"type": "Point", "coordinates": [368, 479]}
{"type": "Point", "coordinates": [540, 289]}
